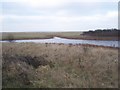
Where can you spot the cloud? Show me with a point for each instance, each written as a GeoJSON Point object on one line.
{"type": "Point", "coordinates": [57, 22]}
{"type": "Point", "coordinates": [112, 14]}
{"type": "Point", "coordinates": [43, 3]}
{"type": "Point", "coordinates": [52, 3]}
{"type": "Point", "coordinates": [60, 0]}
{"type": "Point", "coordinates": [53, 15]}
{"type": "Point", "coordinates": [38, 3]}
{"type": "Point", "coordinates": [63, 16]}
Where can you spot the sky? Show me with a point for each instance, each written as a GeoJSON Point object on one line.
{"type": "Point", "coordinates": [57, 15]}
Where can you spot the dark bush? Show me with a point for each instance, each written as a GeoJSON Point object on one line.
{"type": "Point", "coordinates": [102, 32]}
{"type": "Point", "coordinates": [33, 61]}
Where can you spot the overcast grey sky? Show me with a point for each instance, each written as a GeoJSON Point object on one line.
{"type": "Point", "coordinates": [57, 15]}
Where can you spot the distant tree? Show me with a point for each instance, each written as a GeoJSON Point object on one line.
{"type": "Point", "coordinates": [103, 32]}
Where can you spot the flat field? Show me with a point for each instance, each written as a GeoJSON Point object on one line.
{"type": "Point", "coordinates": [44, 35]}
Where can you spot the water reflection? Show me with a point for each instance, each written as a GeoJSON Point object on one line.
{"type": "Point", "coordinates": [72, 41]}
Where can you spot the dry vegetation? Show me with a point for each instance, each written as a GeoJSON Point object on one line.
{"type": "Point", "coordinates": [44, 35]}
{"type": "Point", "coordinates": [37, 35]}
{"type": "Point", "coordinates": [58, 65]}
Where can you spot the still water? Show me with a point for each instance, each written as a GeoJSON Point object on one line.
{"type": "Point", "coordinates": [72, 41]}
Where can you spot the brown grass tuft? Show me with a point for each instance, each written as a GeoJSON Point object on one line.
{"type": "Point", "coordinates": [58, 65]}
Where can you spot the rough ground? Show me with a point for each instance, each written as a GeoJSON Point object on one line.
{"type": "Point", "coordinates": [57, 65]}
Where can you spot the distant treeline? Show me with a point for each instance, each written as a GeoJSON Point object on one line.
{"type": "Point", "coordinates": [102, 32]}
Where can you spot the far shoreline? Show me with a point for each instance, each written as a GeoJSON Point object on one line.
{"type": "Point", "coordinates": [78, 38]}
{"type": "Point", "coordinates": [90, 35]}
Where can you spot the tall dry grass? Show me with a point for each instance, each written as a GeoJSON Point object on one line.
{"type": "Point", "coordinates": [68, 66]}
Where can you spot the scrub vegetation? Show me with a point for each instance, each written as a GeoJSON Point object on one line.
{"type": "Point", "coordinates": [27, 65]}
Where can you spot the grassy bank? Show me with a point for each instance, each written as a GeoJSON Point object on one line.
{"type": "Point", "coordinates": [25, 35]}
{"type": "Point", "coordinates": [38, 35]}
{"type": "Point", "coordinates": [58, 65]}
{"type": "Point", "coordinates": [43, 35]}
